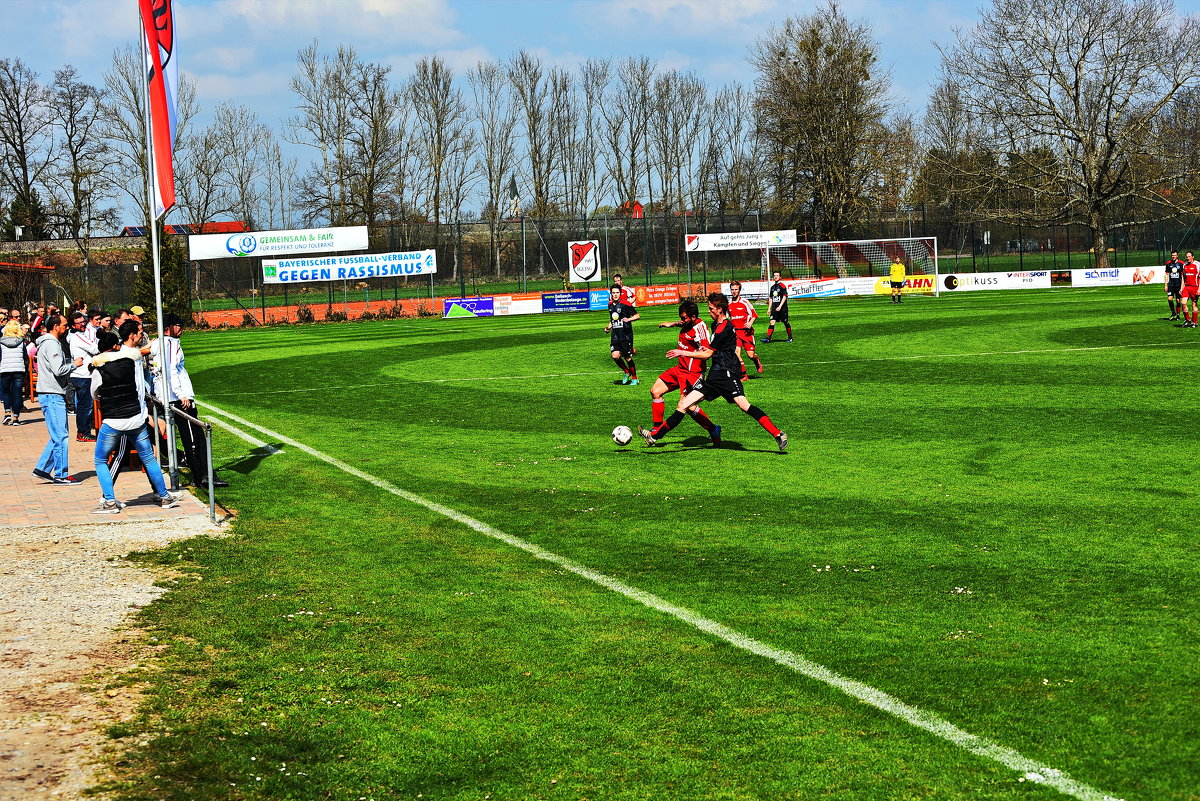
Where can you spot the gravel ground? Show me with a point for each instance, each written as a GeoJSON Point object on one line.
{"type": "Point", "coordinates": [66, 597]}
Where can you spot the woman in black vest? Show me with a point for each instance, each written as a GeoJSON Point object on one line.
{"type": "Point", "coordinates": [118, 385]}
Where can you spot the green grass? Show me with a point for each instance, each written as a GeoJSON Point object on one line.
{"type": "Point", "coordinates": [1030, 448]}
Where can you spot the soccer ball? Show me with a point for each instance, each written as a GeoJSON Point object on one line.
{"type": "Point", "coordinates": [622, 435]}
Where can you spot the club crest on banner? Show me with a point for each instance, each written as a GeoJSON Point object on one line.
{"type": "Point", "coordinates": [584, 258]}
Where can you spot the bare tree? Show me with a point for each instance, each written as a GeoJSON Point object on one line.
{"type": "Point", "coordinates": [822, 99]}
{"type": "Point", "coordinates": [1069, 92]}
{"type": "Point", "coordinates": [81, 181]}
{"type": "Point", "coordinates": [496, 120]}
{"type": "Point", "coordinates": [205, 194]}
{"type": "Point", "coordinates": [278, 185]}
{"type": "Point", "coordinates": [531, 83]}
{"type": "Point", "coordinates": [26, 136]}
{"type": "Point", "coordinates": [442, 123]}
{"type": "Point", "coordinates": [123, 124]}
{"type": "Point", "coordinates": [627, 118]}
{"type": "Point", "coordinates": [325, 192]}
{"type": "Point", "coordinates": [732, 171]}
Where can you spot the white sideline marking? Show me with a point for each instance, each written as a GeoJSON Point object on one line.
{"type": "Point", "coordinates": [776, 364]}
{"type": "Point", "coordinates": [258, 443]}
{"type": "Point", "coordinates": [1030, 769]}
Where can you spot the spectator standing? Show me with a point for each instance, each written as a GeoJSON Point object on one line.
{"type": "Point", "coordinates": [53, 372]}
{"type": "Point", "coordinates": [14, 366]}
{"type": "Point", "coordinates": [81, 342]}
{"type": "Point", "coordinates": [118, 386]}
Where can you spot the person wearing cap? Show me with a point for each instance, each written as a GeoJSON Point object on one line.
{"type": "Point", "coordinates": [181, 396]}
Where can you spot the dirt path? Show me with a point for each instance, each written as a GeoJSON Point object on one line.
{"type": "Point", "coordinates": [66, 597]}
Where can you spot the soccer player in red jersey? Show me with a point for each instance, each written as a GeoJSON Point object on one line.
{"type": "Point", "coordinates": [627, 296]}
{"type": "Point", "coordinates": [1191, 291]}
{"type": "Point", "coordinates": [722, 381]}
{"type": "Point", "coordinates": [692, 338]}
{"type": "Point", "coordinates": [743, 315]}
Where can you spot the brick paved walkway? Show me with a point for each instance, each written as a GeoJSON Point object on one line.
{"type": "Point", "coordinates": [26, 500]}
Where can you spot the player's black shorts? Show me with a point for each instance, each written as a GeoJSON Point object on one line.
{"type": "Point", "coordinates": [621, 345]}
{"type": "Point", "coordinates": [1175, 289]}
{"type": "Point", "coordinates": [897, 285]}
{"type": "Point", "coordinates": [720, 386]}
{"type": "Point", "coordinates": [779, 316]}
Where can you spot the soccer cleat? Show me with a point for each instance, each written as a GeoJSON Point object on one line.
{"type": "Point", "coordinates": [646, 436]}
{"type": "Point", "coordinates": [765, 341]}
{"type": "Point", "coordinates": [107, 508]}
{"type": "Point", "coordinates": [715, 435]}
{"type": "Point", "coordinates": [789, 339]}
{"type": "Point", "coordinates": [782, 440]}
{"type": "Point", "coordinates": [625, 379]}
{"type": "Point", "coordinates": [170, 500]}
{"type": "Point", "coordinates": [69, 481]}
{"type": "Point", "coordinates": [633, 382]}
{"type": "Point", "coordinates": [42, 474]}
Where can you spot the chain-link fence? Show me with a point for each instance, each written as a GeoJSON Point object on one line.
{"type": "Point", "coordinates": [530, 255]}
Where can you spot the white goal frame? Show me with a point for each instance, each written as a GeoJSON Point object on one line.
{"type": "Point", "coordinates": [847, 258]}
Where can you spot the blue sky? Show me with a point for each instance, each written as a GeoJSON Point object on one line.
{"type": "Point", "coordinates": [245, 50]}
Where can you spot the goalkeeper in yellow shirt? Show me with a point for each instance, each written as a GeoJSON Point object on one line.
{"type": "Point", "coordinates": [897, 279]}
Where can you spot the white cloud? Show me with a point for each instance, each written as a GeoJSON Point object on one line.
{"type": "Point", "coordinates": [361, 22]}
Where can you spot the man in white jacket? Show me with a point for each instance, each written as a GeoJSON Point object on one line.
{"type": "Point", "coordinates": [181, 396]}
{"type": "Point", "coordinates": [81, 340]}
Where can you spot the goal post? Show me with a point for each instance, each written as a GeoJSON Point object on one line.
{"type": "Point", "coordinates": [858, 258]}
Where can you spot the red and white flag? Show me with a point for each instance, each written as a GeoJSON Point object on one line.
{"type": "Point", "coordinates": [162, 80]}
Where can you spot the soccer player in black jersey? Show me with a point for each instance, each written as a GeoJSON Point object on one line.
{"type": "Point", "coordinates": [1173, 284]}
{"type": "Point", "coordinates": [722, 381]}
{"type": "Point", "coordinates": [778, 307]}
{"type": "Point", "coordinates": [620, 333]}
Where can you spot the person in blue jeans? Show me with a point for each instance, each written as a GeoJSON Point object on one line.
{"type": "Point", "coordinates": [118, 385]}
{"type": "Point", "coordinates": [53, 370]}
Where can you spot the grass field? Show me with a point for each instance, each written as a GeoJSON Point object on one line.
{"type": "Point", "coordinates": [972, 576]}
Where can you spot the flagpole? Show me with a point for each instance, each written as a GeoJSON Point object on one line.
{"type": "Point", "coordinates": [151, 212]}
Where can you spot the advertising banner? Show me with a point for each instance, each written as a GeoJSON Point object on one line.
{"type": "Point", "coordinates": [343, 268]}
{"type": "Point", "coordinates": [739, 240]}
{"type": "Point", "coordinates": [521, 303]}
{"type": "Point", "coordinates": [598, 299]}
{"type": "Point", "coordinates": [277, 243]}
{"type": "Point", "coordinates": [1116, 276]}
{"type": "Point", "coordinates": [565, 302]}
{"type": "Point", "coordinates": [468, 307]}
{"type": "Point", "coordinates": [912, 283]}
{"type": "Point", "coordinates": [656, 295]}
{"type": "Point", "coordinates": [584, 258]}
{"type": "Point", "coordinates": [970, 282]}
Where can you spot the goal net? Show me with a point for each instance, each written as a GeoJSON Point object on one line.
{"type": "Point", "coordinates": [855, 258]}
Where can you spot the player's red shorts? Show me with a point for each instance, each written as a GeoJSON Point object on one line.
{"type": "Point", "coordinates": [745, 338]}
{"type": "Point", "coordinates": [680, 379]}
{"type": "Point", "coordinates": [1190, 291]}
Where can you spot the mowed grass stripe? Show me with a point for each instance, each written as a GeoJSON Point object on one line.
{"type": "Point", "coordinates": [1032, 351]}
{"type": "Point", "coordinates": [980, 746]}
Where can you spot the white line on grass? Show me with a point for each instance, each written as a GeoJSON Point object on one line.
{"type": "Point", "coordinates": [258, 443]}
{"type": "Point", "coordinates": [775, 364]}
{"type": "Point", "coordinates": [1032, 770]}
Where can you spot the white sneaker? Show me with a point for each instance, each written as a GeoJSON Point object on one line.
{"type": "Point", "coordinates": [170, 501]}
{"type": "Point", "coordinates": [107, 508]}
